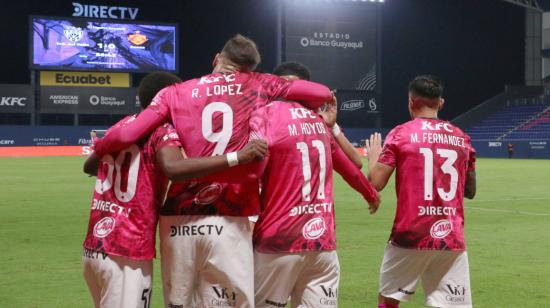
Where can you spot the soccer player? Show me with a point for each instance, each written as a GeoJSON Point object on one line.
{"type": "Point", "coordinates": [435, 169]}
{"type": "Point", "coordinates": [298, 71]}
{"type": "Point", "coordinates": [294, 238]}
{"type": "Point", "coordinates": [130, 187]}
{"type": "Point", "coordinates": [206, 240]}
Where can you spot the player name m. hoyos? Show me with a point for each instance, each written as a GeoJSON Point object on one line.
{"type": "Point", "coordinates": [104, 11]}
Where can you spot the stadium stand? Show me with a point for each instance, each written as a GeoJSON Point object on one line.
{"type": "Point", "coordinates": [519, 116]}
{"type": "Point", "coordinates": [520, 113]}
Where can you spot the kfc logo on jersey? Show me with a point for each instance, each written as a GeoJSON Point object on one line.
{"type": "Point", "coordinates": [438, 126]}
{"type": "Point", "coordinates": [441, 228]}
{"type": "Point", "coordinates": [103, 227]}
{"type": "Point", "coordinates": [314, 228]}
{"type": "Point", "coordinates": [208, 195]}
{"type": "Point", "coordinates": [212, 79]}
{"type": "Point", "coordinates": [301, 113]}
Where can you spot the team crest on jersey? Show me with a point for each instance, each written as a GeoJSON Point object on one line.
{"type": "Point", "coordinates": [208, 195]}
{"type": "Point", "coordinates": [103, 227]}
{"type": "Point", "coordinates": [314, 228]}
{"type": "Point", "coordinates": [441, 228]}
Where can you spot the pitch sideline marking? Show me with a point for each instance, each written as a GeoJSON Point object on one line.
{"type": "Point", "coordinates": [507, 211]}
{"type": "Point", "coordinates": [509, 199]}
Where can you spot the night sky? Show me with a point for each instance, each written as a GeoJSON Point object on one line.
{"type": "Point", "coordinates": [475, 47]}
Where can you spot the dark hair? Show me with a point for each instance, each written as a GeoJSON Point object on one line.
{"type": "Point", "coordinates": [242, 51]}
{"type": "Point", "coordinates": [293, 68]}
{"type": "Point", "coordinates": [426, 86]}
{"type": "Point", "coordinates": [151, 84]}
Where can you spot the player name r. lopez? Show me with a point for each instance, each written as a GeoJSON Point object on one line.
{"type": "Point", "coordinates": [219, 89]}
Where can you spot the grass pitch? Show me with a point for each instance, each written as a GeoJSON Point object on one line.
{"type": "Point", "coordinates": [44, 210]}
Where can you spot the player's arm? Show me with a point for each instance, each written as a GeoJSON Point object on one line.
{"type": "Point", "coordinates": [310, 94]}
{"type": "Point", "coordinates": [178, 168]}
{"type": "Point", "coordinates": [121, 137]}
{"type": "Point", "coordinates": [92, 164]}
{"type": "Point", "coordinates": [329, 115]}
{"type": "Point", "coordinates": [379, 173]}
{"type": "Point", "coordinates": [470, 186]}
{"type": "Point", "coordinates": [355, 178]}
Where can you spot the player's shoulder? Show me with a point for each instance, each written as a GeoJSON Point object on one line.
{"type": "Point", "coordinates": [458, 130]}
{"type": "Point", "coordinates": [165, 132]}
{"type": "Point", "coordinates": [262, 77]}
{"type": "Point", "coordinates": [164, 129]}
{"type": "Point", "coordinates": [396, 131]}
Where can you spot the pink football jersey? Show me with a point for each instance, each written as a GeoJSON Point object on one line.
{"type": "Point", "coordinates": [431, 158]}
{"type": "Point", "coordinates": [211, 114]}
{"type": "Point", "coordinates": [297, 211]}
{"type": "Point", "coordinates": [129, 191]}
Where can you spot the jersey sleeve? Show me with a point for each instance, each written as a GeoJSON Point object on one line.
{"type": "Point", "coordinates": [166, 136]}
{"type": "Point", "coordinates": [309, 94]}
{"type": "Point", "coordinates": [352, 175]}
{"type": "Point", "coordinates": [154, 115]}
{"type": "Point", "coordinates": [389, 152]}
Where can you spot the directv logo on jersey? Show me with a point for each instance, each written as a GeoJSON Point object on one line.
{"type": "Point", "coordinates": [13, 101]}
{"type": "Point", "coordinates": [315, 208]}
{"type": "Point", "coordinates": [103, 11]}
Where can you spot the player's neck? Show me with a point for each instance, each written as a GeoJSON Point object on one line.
{"type": "Point", "coordinates": [225, 67]}
{"type": "Point", "coordinates": [425, 113]}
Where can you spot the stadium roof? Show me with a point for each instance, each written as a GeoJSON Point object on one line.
{"type": "Point", "coordinates": [530, 4]}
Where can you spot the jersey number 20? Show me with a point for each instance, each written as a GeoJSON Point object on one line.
{"type": "Point", "coordinates": [117, 164]}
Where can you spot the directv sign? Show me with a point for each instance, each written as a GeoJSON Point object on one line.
{"type": "Point", "coordinates": [16, 98]}
{"type": "Point", "coordinates": [104, 11]}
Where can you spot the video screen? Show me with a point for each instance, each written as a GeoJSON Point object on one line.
{"type": "Point", "coordinates": [84, 44]}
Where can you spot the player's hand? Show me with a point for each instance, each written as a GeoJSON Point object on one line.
{"type": "Point", "coordinates": [329, 113]}
{"type": "Point", "coordinates": [333, 99]}
{"type": "Point", "coordinates": [373, 206]}
{"type": "Point", "coordinates": [374, 146]}
{"type": "Point", "coordinates": [254, 150]}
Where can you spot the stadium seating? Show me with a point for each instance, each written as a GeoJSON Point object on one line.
{"type": "Point", "coordinates": [517, 119]}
